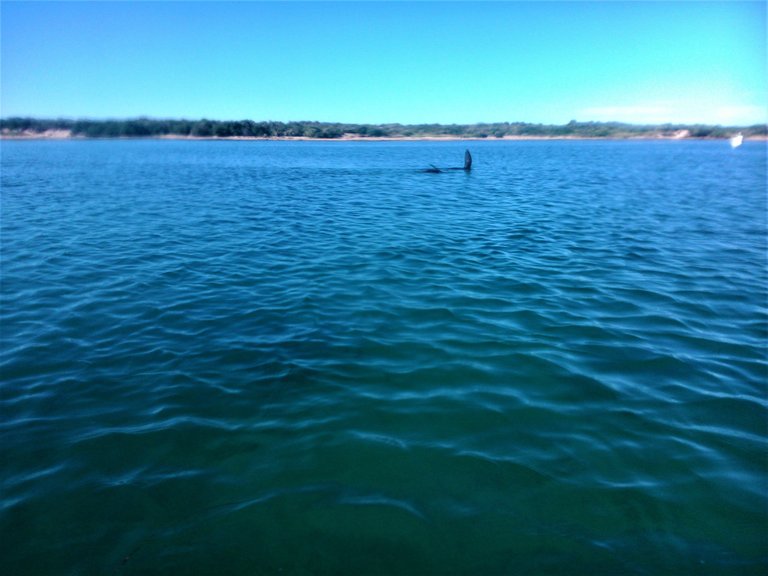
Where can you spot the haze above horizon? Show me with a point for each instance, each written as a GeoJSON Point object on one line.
{"type": "Point", "coordinates": [396, 62]}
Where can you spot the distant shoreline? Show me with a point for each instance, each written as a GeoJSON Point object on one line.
{"type": "Point", "coordinates": [41, 128]}
{"type": "Point", "coordinates": [67, 135]}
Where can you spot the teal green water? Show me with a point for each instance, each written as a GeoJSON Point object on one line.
{"type": "Point", "coordinates": [310, 358]}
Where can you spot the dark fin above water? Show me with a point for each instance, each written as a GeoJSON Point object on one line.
{"type": "Point", "coordinates": [467, 165]}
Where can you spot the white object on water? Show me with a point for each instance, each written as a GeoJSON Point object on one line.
{"type": "Point", "coordinates": [737, 140]}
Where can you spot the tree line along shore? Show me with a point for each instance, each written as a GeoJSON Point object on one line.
{"type": "Point", "coordinates": [158, 128]}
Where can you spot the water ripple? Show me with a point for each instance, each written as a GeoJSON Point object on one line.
{"type": "Point", "coordinates": [309, 358]}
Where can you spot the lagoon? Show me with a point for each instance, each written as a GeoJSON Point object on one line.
{"type": "Point", "coordinates": [310, 358]}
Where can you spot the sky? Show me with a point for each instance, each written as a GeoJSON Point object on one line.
{"type": "Point", "coordinates": [387, 62]}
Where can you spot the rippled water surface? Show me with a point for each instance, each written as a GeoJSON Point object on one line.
{"type": "Point", "coordinates": [310, 358]}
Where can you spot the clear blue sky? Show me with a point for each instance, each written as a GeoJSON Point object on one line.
{"type": "Point", "coordinates": [408, 62]}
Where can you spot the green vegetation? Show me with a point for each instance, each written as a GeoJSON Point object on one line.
{"type": "Point", "coordinates": [152, 128]}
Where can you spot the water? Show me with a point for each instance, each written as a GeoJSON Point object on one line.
{"type": "Point", "coordinates": [309, 358]}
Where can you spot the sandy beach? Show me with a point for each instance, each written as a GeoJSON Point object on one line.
{"type": "Point", "coordinates": [67, 135]}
